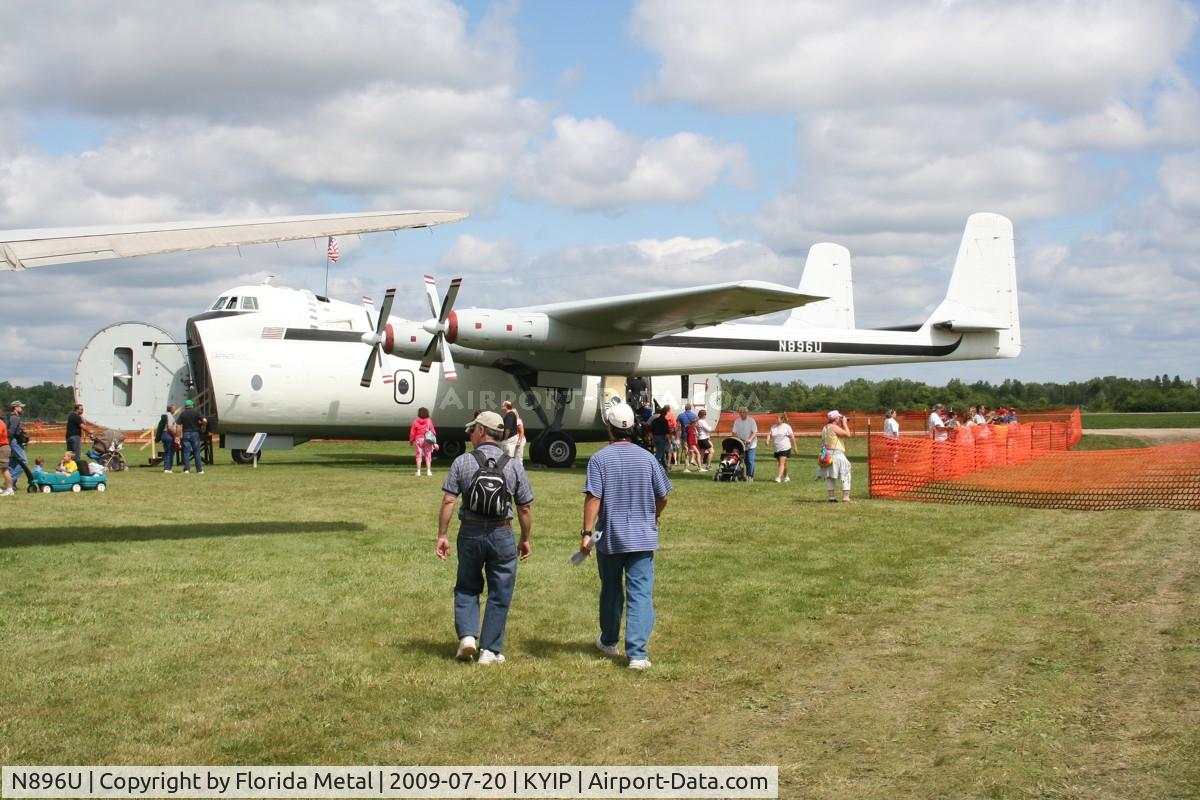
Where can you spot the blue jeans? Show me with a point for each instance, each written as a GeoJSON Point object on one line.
{"type": "Point", "coordinates": [17, 462]}
{"type": "Point", "coordinates": [634, 595]}
{"type": "Point", "coordinates": [75, 445]}
{"type": "Point", "coordinates": [750, 461]}
{"type": "Point", "coordinates": [168, 451]}
{"type": "Point", "coordinates": [661, 448]}
{"type": "Point", "coordinates": [492, 552]}
{"type": "Point", "coordinates": [191, 450]}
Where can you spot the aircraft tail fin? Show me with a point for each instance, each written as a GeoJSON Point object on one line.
{"type": "Point", "coordinates": [983, 287]}
{"type": "Point", "coordinates": [826, 274]}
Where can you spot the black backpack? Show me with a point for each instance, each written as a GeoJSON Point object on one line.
{"type": "Point", "coordinates": [162, 424]}
{"type": "Point", "coordinates": [488, 494]}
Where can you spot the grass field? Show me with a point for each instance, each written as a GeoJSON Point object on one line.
{"type": "Point", "coordinates": [296, 614]}
{"type": "Point", "coordinates": [1179, 419]}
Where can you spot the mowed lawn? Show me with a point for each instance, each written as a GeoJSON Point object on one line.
{"type": "Point", "coordinates": [1174, 419]}
{"type": "Point", "coordinates": [296, 614]}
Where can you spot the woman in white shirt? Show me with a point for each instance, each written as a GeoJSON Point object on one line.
{"type": "Point", "coordinates": [704, 440]}
{"type": "Point", "coordinates": [783, 441]}
{"type": "Point", "coordinates": [891, 426]}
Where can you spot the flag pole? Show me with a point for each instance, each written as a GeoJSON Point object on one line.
{"type": "Point", "coordinates": [327, 270]}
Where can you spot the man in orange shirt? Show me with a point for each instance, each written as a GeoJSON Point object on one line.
{"type": "Point", "coordinates": [5, 452]}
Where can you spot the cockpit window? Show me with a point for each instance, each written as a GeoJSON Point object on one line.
{"type": "Point", "coordinates": [217, 306]}
{"type": "Point", "coordinates": [249, 304]}
{"type": "Point", "coordinates": [232, 304]}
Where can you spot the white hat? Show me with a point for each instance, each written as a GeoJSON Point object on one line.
{"type": "Point", "coordinates": [620, 416]}
{"type": "Point", "coordinates": [834, 414]}
{"type": "Point", "coordinates": [487, 419]}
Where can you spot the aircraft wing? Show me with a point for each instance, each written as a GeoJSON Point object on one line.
{"type": "Point", "coordinates": [40, 247]}
{"type": "Point", "coordinates": [654, 313]}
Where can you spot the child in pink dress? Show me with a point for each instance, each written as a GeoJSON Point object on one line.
{"type": "Point", "coordinates": [423, 437]}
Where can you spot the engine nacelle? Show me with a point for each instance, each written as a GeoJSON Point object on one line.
{"type": "Point", "coordinates": [405, 338]}
{"type": "Point", "coordinates": [492, 329]}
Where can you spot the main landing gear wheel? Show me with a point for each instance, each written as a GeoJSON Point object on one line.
{"type": "Point", "coordinates": [555, 449]}
{"type": "Point", "coordinates": [452, 449]}
{"type": "Point", "coordinates": [242, 457]}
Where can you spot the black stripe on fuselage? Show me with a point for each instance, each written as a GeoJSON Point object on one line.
{"type": "Point", "coordinates": [318, 335]}
{"type": "Point", "coordinates": [840, 348]}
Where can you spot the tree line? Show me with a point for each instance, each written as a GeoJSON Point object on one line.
{"type": "Point", "coordinates": [46, 402]}
{"type": "Point", "coordinates": [1160, 393]}
{"type": "Point", "coordinates": [50, 402]}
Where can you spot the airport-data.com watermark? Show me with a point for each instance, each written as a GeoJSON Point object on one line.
{"type": "Point", "coordinates": [389, 782]}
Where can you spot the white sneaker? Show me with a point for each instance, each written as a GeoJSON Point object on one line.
{"type": "Point", "coordinates": [7, 493]}
{"type": "Point", "coordinates": [429, 472]}
{"type": "Point", "coordinates": [168, 472]}
{"type": "Point", "coordinates": [787, 479]}
{"type": "Point", "coordinates": [418, 473]}
{"type": "Point", "coordinates": [639, 663]}
{"type": "Point", "coordinates": [488, 657]}
{"type": "Point", "coordinates": [607, 649]}
{"type": "Point", "coordinates": [466, 648]}
{"type": "Point", "coordinates": [779, 480]}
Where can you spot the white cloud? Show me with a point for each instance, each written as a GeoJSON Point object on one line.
{"type": "Point", "coordinates": [591, 164]}
{"type": "Point", "coordinates": [231, 58]}
{"type": "Point", "coordinates": [472, 254]}
{"type": "Point", "coordinates": [793, 55]}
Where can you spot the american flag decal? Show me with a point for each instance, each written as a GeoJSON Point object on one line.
{"type": "Point", "coordinates": [272, 333]}
{"type": "Point", "coordinates": [333, 251]}
{"type": "Point", "coordinates": [389, 378]}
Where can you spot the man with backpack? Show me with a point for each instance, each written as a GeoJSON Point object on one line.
{"type": "Point", "coordinates": [17, 462]}
{"type": "Point", "coordinates": [490, 484]}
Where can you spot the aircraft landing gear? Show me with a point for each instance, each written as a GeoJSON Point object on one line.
{"type": "Point", "coordinates": [242, 457]}
{"type": "Point", "coordinates": [554, 447]}
{"type": "Point", "coordinates": [451, 449]}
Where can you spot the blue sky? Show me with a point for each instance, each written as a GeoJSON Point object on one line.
{"type": "Point", "coordinates": [609, 147]}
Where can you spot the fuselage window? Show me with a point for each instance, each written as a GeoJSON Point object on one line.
{"type": "Point", "coordinates": [249, 304]}
{"type": "Point", "coordinates": [217, 306]}
{"type": "Point", "coordinates": [232, 304]}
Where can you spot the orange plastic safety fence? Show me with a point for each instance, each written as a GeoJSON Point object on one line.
{"type": "Point", "coordinates": [1021, 465]}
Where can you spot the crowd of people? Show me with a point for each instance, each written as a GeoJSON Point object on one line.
{"type": "Point", "coordinates": [945, 424]}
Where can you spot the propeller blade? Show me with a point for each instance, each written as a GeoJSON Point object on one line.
{"type": "Point", "coordinates": [368, 307]}
{"type": "Point", "coordinates": [431, 294]}
{"type": "Point", "coordinates": [369, 369]}
{"type": "Point", "coordinates": [448, 300]}
{"type": "Point", "coordinates": [429, 354]}
{"type": "Point", "coordinates": [448, 371]}
{"type": "Point", "coordinates": [381, 326]}
{"type": "Point", "coordinates": [386, 311]}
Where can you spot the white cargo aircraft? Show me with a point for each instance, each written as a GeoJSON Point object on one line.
{"type": "Point", "coordinates": [285, 361]}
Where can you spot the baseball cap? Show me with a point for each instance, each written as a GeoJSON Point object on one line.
{"type": "Point", "coordinates": [488, 419]}
{"type": "Point", "coordinates": [620, 416]}
{"type": "Point", "coordinates": [834, 414]}
{"type": "Point", "coordinates": [189, 403]}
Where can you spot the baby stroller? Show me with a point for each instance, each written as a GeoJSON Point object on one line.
{"type": "Point", "coordinates": [106, 451]}
{"type": "Point", "coordinates": [733, 461]}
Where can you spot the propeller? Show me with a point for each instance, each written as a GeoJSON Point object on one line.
{"type": "Point", "coordinates": [375, 340]}
{"type": "Point", "coordinates": [438, 325]}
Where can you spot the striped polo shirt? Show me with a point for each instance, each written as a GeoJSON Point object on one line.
{"type": "Point", "coordinates": [628, 480]}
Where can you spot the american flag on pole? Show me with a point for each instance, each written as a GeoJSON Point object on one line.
{"type": "Point", "coordinates": [333, 250]}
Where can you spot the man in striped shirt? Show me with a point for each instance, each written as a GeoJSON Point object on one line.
{"type": "Point", "coordinates": [624, 495]}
